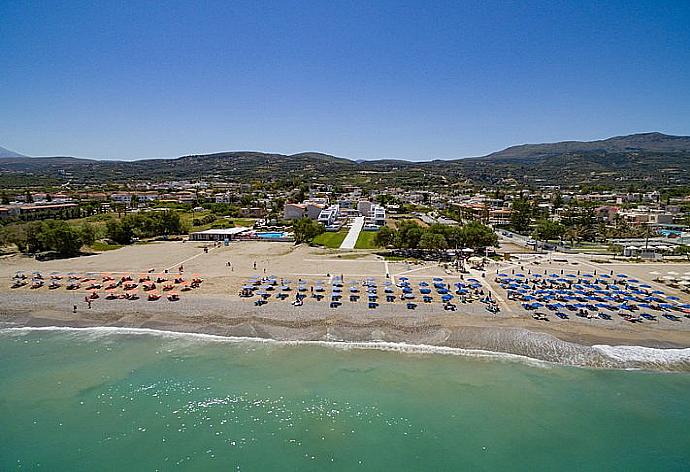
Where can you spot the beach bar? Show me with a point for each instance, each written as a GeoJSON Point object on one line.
{"type": "Point", "coordinates": [218, 234]}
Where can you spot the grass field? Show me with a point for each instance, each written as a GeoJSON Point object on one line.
{"type": "Point", "coordinates": [330, 239]}
{"type": "Point", "coordinates": [366, 240]}
{"type": "Point", "coordinates": [101, 246]}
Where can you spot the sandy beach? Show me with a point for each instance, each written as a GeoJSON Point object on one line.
{"type": "Point", "coordinates": [216, 308]}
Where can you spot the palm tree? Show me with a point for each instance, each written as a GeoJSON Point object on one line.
{"type": "Point", "coordinates": [572, 234]}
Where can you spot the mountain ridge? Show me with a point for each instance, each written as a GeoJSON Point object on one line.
{"type": "Point", "coordinates": [651, 142]}
{"type": "Point", "coordinates": [4, 152]}
{"type": "Point", "coordinates": [647, 158]}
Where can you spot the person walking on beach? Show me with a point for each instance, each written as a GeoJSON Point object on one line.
{"type": "Point", "coordinates": [254, 265]}
{"type": "Point", "coordinates": [74, 309]}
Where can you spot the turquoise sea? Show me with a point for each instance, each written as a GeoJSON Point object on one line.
{"type": "Point", "coordinates": [98, 399]}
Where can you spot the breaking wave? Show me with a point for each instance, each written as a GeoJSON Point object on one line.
{"type": "Point", "coordinates": [516, 345]}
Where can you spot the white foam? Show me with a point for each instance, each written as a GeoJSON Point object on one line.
{"type": "Point", "coordinates": [621, 356]}
{"type": "Point", "coordinates": [102, 331]}
{"type": "Point", "coordinates": [643, 354]}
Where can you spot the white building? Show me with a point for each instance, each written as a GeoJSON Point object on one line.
{"type": "Point", "coordinates": [121, 198]}
{"type": "Point", "coordinates": [307, 209]}
{"type": "Point", "coordinates": [374, 214]}
{"type": "Point", "coordinates": [328, 216]}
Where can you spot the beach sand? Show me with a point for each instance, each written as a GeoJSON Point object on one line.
{"type": "Point", "coordinates": [216, 308]}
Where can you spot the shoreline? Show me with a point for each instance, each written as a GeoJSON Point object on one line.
{"type": "Point", "coordinates": [355, 326]}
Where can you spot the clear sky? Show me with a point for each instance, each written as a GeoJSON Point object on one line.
{"type": "Point", "coordinates": [364, 80]}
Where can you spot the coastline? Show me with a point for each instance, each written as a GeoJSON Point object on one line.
{"type": "Point", "coordinates": [468, 333]}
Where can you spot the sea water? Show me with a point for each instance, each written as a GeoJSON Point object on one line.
{"type": "Point", "coordinates": [104, 399]}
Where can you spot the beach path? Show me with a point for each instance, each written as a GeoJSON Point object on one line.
{"type": "Point", "coordinates": [352, 235]}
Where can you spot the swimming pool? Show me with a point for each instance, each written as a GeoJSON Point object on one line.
{"type": "Point", "coordinates": [272, 235]}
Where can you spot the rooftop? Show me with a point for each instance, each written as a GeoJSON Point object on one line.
{"type": "Point", "coordinates": [223, 231]}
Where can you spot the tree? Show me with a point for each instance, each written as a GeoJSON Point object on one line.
{"type": "Point", "coordinates": [119, 231]}
{"type": "Point", "coordinates": [547, 230]}
{"type": "Point", "coordinates": [88, 234]}
{"type": "Point", "coordinates": [587, 224]}
{"type": "Point", "coordinates": [49, 235]}
{"type": "Point", "coordinates": [120, 208]}
{"type": "Point", "coordinates": [29, 197]}
{"type": "Point", "coordinates": [477, 235]}
{"type": "Point", "coordinates": [683, 250]}
{"type": "Point", "coordinates": [408, 235]}
{"type": "Point", "coordinates": [572, 234]}
{"type": "Point", "coordinates": [4, 199]}
{"type": "Point", "coordinates": [385, 199]}
{"type": "Point", "coordinates": [557, 200]}
{"type": "Point", "coordinates": [61, 237]}
{"type": "Point", "coordinates": [384, 237]}
{"type": "Point", "coordinates": [433, 241]}
{"type": "Point", "coordinates": [306, 230]}
{"type": "Point", "coordinates": [521, 215]}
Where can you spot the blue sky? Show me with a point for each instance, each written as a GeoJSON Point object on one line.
{"type": "Point", "coordinates": [365, 80]}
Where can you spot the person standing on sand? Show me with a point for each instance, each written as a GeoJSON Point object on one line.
{"type": "Point", "coordinates": [254, 265]}
{"type": "Point", "coordinates": [74, 309]}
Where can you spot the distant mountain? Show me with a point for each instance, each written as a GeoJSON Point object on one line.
{"type": "Point", "coordinates": [648, 159]}
{"type": "Point", "coordinates": [7, 153]}
{"type": "Point", "coordinates": [643, 142]}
